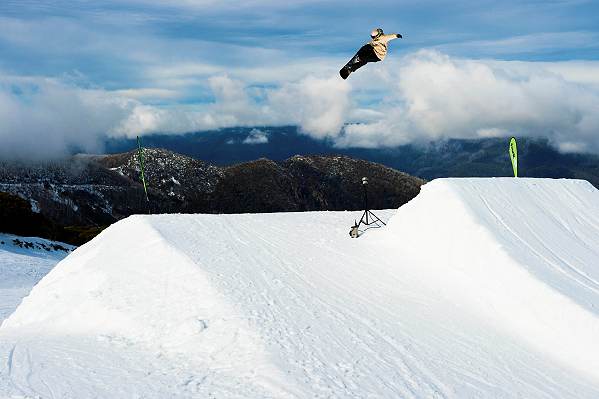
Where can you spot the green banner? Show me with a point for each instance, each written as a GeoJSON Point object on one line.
{"type": "Point", "coordinates": [514, 155]}
{"type": "Point", "coordinates": [140, 155]}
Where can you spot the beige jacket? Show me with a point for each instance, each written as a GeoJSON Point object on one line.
{"type": "Point", "coordinates": [380, 44]}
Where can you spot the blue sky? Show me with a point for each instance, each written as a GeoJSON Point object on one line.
{"type": "Point", "coordinates": [182, 65]}
{"type": "Point", "coordinates": [109, 42]}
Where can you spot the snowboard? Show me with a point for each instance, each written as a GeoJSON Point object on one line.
{"type": "Point", "coordinates": [344, 72]}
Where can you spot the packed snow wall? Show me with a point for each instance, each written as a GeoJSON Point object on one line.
{"type": "Point", "coordinates": [523, 252]}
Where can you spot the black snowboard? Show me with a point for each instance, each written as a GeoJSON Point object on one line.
{"type": "Point", "coordinates": [344, 72]}
{"type": "Point", "coordinates": [365, 55]}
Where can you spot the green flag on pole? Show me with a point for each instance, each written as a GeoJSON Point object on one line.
{"type": "Point", "coordinates": [514, 155]}
{"type": "Point", "coordinates": [140, 154]}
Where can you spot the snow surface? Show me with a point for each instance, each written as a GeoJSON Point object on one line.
{"type": "Point", "coordinates": [21, 268]}
{"type": "Point", "coordinates": [476, 288]}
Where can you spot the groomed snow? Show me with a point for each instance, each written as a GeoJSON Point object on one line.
{"type": "Point", "coordinates": [476, 288]}
{"type": "Point", "coordinates": [21, 267]}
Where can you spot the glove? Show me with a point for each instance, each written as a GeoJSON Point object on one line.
{"type": "Point", "coordinates": [399, 36]}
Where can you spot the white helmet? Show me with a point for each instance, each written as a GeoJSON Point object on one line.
{"type": "Point", "coordinates": [376, 33]}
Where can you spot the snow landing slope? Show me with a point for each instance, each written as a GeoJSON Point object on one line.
{"type": "Point", "coordinates": [476, 288]}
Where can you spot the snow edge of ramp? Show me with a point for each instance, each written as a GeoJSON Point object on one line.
{"type": "Point", "coordinates": [129, 286]}
{"type": "Point", "coordinates": [441, 229]}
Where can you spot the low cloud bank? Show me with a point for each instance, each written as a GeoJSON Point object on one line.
{"type": "Point", "coordinates": [420, 97]}
{"type": "Point", "coordinates": [434, 96]}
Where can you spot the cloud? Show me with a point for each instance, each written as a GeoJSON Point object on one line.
{"type": "Point", "coordinates": [423, 96]}
{"type": "Point", "coordinates": [319, 106]}
{"type": "Point", "coordinates": [256, 137]}
{"type": "Point", "coordinates": [43, 118]}
{"type": "Point", "coordinates": [434, 96]}
{"type": "Point", "coordinates": [148, 94]}
{"type": "Point", "coordinates": [188, 65]}
{"type": "Point", "coordinates": [537, 43]}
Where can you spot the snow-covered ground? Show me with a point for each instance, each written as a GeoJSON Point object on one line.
{"type": "Point", "coordinates": [23, 262]}
{"type": "Point", "coordinates": [476, 288]}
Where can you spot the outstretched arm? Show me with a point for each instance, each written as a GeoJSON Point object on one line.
{"type": "Point", "coordinates": [392, 36]}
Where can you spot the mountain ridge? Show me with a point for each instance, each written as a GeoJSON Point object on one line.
{"type": "Point", "coordinates": [486, 157]}
{"type": "Point", "coordinates": [93, 191]}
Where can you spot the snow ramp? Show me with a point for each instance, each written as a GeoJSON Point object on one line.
{"type": "Point", "coordinates": [476, 288]}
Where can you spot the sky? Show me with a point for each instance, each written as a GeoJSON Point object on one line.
{"type": "Point", "coordinates": [75, 72]}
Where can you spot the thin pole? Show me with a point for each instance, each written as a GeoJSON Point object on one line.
{"type": "Point", "coordinates": [366, 202]}
{"type": "Point", "coordinates": [141, 160]}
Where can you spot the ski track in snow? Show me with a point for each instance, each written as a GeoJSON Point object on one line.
{"type": "Point", "coordinates": [477, 288]}
{"type": "Point", "coordinates": [546, 255]}
{"type": "Point", "coordinates": [268, 289]}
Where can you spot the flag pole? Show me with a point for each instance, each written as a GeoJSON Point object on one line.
{"type": "Point", "coordinates": [140, 156]}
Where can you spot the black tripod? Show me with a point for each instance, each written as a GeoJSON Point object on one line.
{"type": "Point", "coordinates": [374, 219]}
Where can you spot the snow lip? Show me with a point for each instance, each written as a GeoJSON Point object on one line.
{"type": "Point", "coordinates": [130, 287]}
{"type": "Point", "coordinates": [546, 300]}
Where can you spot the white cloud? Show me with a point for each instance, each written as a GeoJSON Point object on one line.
{"type": "Point", "coordinates": [433, 96]}
{"type": "Point", "coordinates": [221, 6]}
{"type": "Point", "coordinates": [43, 118]}
{"type": "Point", "coordinates": [531, 43]}
{"type": "Point", "coordinates": [256, 136]}
{"type": "Point", "coordinates": [148, 94]}
{"type": "Point", "coordinates": [420, 97]}
{"type": "Point", "coordinates": [46, 118]}
{"type": "Point", "coordinates": [319, 106]}
{"type": "Point", "coordinates": [583, 72]}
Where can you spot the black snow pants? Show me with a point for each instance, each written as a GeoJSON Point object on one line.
{"type": "Point", "coordinates": [365, 55]}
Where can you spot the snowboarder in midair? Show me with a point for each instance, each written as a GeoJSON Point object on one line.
{"type": "Point", "coordinates": [373, 51]}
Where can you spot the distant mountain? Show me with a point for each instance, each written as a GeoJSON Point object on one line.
{"type": "Point", "coordinates": [448, 158]}
{"type": "Point", "coordinates": [232, 145]}
{"type": "Point", "coordinates": [300, 183]}
{"type": "Point", "coordinates": [73, 199]}
{"type": "Point", "coordinates": [248, 170]}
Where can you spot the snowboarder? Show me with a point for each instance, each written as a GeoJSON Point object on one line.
{"type": "Point", "coordinates": [373, 51]}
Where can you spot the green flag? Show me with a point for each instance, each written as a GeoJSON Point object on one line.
{"type": "Point", "coordinates": [140, 154]}
{"type": "Point", "coordinates": [514, 155]}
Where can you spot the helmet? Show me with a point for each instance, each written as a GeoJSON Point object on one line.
{"type": "Point", "coordinates": [376, 33]}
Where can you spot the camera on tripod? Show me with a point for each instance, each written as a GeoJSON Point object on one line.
{"type": "Point", "coordinates": [368, 217]}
